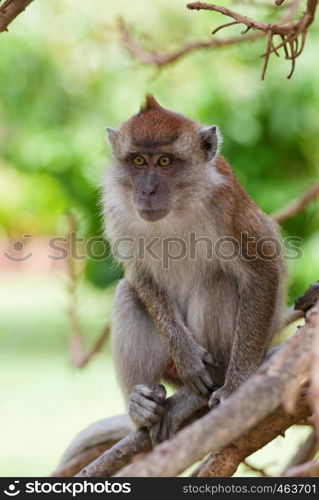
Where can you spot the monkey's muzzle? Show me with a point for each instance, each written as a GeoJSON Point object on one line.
{"type": "Point", "coordinates": [152, 215]}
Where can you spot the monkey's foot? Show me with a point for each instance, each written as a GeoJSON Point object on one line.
{"type": "Point", "coordinates": [146, 404]}
{"type": "Point", "coordinates": [219, 396]}
{"type": "Point", "coordinates": [168, 425]}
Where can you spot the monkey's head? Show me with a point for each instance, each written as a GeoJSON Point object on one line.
{"type": "Point", "coordinates": [161, 158]}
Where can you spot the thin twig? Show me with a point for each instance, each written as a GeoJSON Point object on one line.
{"type": "Point", "coordinates": [313, 317]}
{"type": "Point", "coordinates": [289, 30]}
{"type": "Point", "coordinates": [297, 205]}
{"type": "Point", "coordinates": [160, 59]}
{"type": "Point", "coordinates": [78, 355]}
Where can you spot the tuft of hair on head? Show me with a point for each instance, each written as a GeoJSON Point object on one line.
{"type": "Point", "coordinates": [150, 103]}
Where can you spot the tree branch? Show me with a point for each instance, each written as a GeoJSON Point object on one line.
{"type": "Point", "coordinates": [298, 205]}
{"type": "Point", "coordinates": [292, 33]}
{"type": "Point", "coordinates": [112, 460]}
{"type": "Point", "coordinates": [225, 462]}
{"type": "Point", "coordinates": [77, 463]}
{"type": "Point", "coordinates": [289, 32]}
{"type": "Point", "coordinates": [161, 59]}
{"type": "Point", "coordinates": [10, 10]}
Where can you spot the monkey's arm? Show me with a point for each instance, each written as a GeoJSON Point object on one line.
{"type": "Point", "coordinates": [253, 329]}
{"type": "Point", "coordinates": [190, 358]}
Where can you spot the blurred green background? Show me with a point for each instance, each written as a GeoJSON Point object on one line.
{"type": "Point", "coordinates": [64, 77]}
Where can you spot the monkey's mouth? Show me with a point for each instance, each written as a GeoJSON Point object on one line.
{"type": "Point", "coordinates": [152, 215]}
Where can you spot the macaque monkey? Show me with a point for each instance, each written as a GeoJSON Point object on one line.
{"type": "Point", "coordinates": [203, 322]}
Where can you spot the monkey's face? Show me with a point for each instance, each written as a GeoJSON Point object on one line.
{"type": "Point", "coordinates": [152, 176]}
{"type": "Point", "coordinates": [159, 159]}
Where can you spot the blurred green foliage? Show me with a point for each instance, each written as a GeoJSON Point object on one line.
{"type": "Point", "coordinates": [65, 76]}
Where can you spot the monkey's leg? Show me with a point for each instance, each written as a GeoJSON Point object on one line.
{"type": "Point", "coordinates": [191, 359]}
{"type": "Point", "coordinates": [139, 355]}
{"type": "Point", "coordinates": [253, 332]}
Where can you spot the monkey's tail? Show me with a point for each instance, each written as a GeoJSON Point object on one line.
{"type": "Point", "coordinates": [107, 429]}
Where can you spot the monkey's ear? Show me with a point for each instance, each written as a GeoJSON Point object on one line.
{"type": "Point", "coordinates": [210, 140]}
{"type": "Point", "coordinates": [111, 135]}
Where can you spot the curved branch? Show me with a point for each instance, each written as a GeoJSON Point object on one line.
{"type": "Point", "coordinates": [225, 462]}
{"type": "Point", "coordinates": [161, 59]}
{"type": "Point", "coordinates": [112, 460]}
{"type": "Point", "coordinates": [288, 31]}
{"type": "Point", "coordinates": [84, 458]}
{"type": "Point", "coordinates": [10, 10]}
{"type": "Point", "coordinates": [298, 205]}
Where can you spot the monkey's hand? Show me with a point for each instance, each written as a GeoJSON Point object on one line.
{"type": "Point", "coordinates": [192, 364]}
{"type": "Point", "coordinates": [146, 404]}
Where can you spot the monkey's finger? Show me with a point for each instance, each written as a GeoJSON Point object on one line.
{"type": "Point", "coordinates": [207, 381]}
{"type": "Point", "coordinates": [155, 393]}
{"type": "Point", "coordinates": [147, 404]}
{"type": "Point", "coordinates": [143, 390]}
{"type": "Point", "coordinates": [201, 389]}
{"type": "Point", "coordinates": [158, 393]}
{"type": "Point", "coordinates": [155, 432]}
{"type": "Point", "coordinates": [209, 360]}
{"type": "Point", "coordinates": [141, 416]}
{"type": "Point", "coordinates": [190, 384]}
{"type": "Point", "coordinates": [164, 430]}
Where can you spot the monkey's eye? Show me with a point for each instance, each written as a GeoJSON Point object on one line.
{"type": "Point", "coordinates": [139, 161]}
{"type": "Point", "coordinates": [165, 161]}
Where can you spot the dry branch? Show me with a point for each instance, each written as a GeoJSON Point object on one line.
{"type": "Point", "coordinates": [161, 59]}
{"type": "Point", "coordinates": [10, 10]}
{"type": "Point", "coordinates": [291, 317]}
{"type": "Point", "coordinates": [79, 357]}
{"type": "Point", "coordinates": [225, 462]}
{"type": "Point", "coordinates": [313, 318]}
{"type": "Point", "coordinates": [293, 34]}
{"type": "Point", "coordinates": [297, 205]}
{"type": "Point", "coordinates": [112, 460]}
{"type": "Point", "coordinates": [77, 463]}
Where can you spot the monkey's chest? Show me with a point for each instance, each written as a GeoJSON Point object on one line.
{"type": "Point", "coordinates": [207, 299]}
